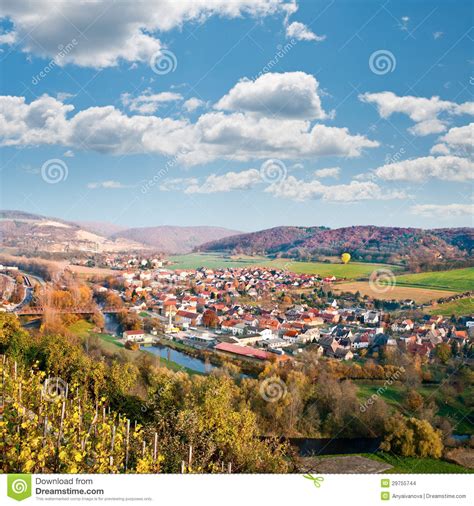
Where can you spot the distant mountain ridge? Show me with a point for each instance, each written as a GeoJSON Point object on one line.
{"type": "Point", "coordinates": [33, 232]}
{"type": "Point", "coordinates": [408, 246]}
{"type": "Point", "coordinates": [169, 239]}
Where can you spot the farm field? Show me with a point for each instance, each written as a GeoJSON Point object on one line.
{"type": "Point", "coordinates": [420, 295]}
{"type": "Point", "coordinates": [352, 270]}
{"type": "Point", "coordinates": [460, 307]}
{"type": "Point", "coordinates": [456, 280]}
{"type": "Point", "coordinates": [212, 261]}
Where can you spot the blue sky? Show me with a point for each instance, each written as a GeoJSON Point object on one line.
{"type": "Point", "coordinates": [244, 114]}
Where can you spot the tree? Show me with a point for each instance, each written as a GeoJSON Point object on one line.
{"type": "Point", "coordinates": [411, 437]}
{"type": "Point", "coordinates": [210, 318]}
{"type": "Point", "coordinates": [98, 320]}
{"type": "Point", "coordinates": [443, 352]}
{"type": "Point", "coordinates": [413, 401]}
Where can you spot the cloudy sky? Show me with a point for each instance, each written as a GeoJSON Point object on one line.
{"type": "Point", "coordinates": [240, 113]}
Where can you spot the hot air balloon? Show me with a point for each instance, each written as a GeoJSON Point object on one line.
{"type": "Point", "coordinates": [345, 257]}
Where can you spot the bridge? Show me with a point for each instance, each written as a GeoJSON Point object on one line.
{"type": "Point", "coordinates": [35, 311]}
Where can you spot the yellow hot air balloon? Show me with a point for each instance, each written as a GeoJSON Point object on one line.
{"type": "Point", "coordinates": [345, 257]}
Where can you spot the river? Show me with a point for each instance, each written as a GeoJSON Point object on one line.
{"type": "Point", "coordinates": [180, 358]}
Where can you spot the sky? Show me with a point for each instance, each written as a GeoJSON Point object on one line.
{"type": "Point", "coordinates": [246, 114]}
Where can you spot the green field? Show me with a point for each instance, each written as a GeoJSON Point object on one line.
{"type": "Point", "coordinates": [455, 408]}
{"type": "Point", "coordinates": [457, 280]}
{"type": "Point", "coordinates": [417, 465]}
{"type": "Point", "coordinates": [353, 270]}
{"type": "Point", "coordinates": [211, 261]}
{"type": "Point", "coordinates": [461, 307]}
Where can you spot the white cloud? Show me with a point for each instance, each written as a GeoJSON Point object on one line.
{"type": "Point", "coordinates": [458, 140]}
{"type": "Point", "coordinates": [300, 31]}
{"type": "Point", "coordinates": [216, 135]}
{"type": "Point", "coordinates": [295, 189]}
{"type": "Point", "coordinates": [227, 182]}
{"type": "Point", "coordinates": [404, 23]}
{"type": "Point", "coordinates": [69, 154]}
{"type": "Point", "coordinates": [178, 183]}
{"type": "Point", "coordinates": [290, 95]}
{"type": "Point", "coordinates": [113, 31]}
{"type": "Point", "coordinates": [148, 103]}
{"type": "Point", "coordinates": [447, 168]}
{"type": "Point", "coordinates": [443, 210]}
{"type": "Point", "coordinates": [423, 111]}
{"type": "Point", "coordinates": [437, 35]}
{"type": "Point", "coordinates": [192, 104]}
{"type": "Point", "coordinates": [109, 185]}
{"type": "Point", "coordinates": [328, 172]}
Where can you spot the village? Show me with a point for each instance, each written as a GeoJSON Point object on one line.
{"type": "Point", "coordinates": [267, 314]}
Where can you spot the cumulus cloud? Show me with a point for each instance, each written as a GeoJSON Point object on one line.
{"type": "Point", "coordinates": [108, 31]}
{"type": "Point", "coordinates": [215, 135]}
{"type": "Point", "coordinates": [109, 185]}
{"type": "Point", "coordinates": [447, 168]}
{"type": "Point", "coordinates": [148, 103]}
{"type": "Point", "coordinates": [300, 31]}
{"type": "Point", "coordinates": [295, 189]}
{"type": "Point", "coordinates": [226, 182]}
{"type": "Point", "coordinates": [289, 95]}
{"type": "Point", "coordinates": [457, 140]}
{"type": "Point", "coordinates": [443, 210]}
{"type": "Point", "coordinates": [424, 112]}
{"type": "Point", "coordinates": [328, 172]}
{"type": "Point", "coordinates": [192, 104]}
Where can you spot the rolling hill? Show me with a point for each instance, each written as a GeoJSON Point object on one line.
{"type": "Point", "coordinates": [31, 232]}
{"type": "Point", "coordinates": [169, 239]}
{"type": "Point", "coordinates": [406, 246]}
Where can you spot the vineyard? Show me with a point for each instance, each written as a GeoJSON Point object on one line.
{"type": "Point", "coordinates": [48, 426]}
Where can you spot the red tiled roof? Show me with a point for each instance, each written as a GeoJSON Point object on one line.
{"type": "Point", "coordinates": [246, 351]}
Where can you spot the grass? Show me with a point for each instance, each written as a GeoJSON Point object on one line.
{"type": "Point", "coordinates": [416, 465]}
{"type": "Point", "coordinates": [460, 307]}
{"type": "Point", "coordinates": [457, 280]}
{"type": "Point", "coordinates": [454, 408]}
{"type": "Point", "coordinates": [81, 328]}
{"type": "Point", "coordinates": [352, 270]}
{"type": "Point", "coordinates": [212, 261]}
